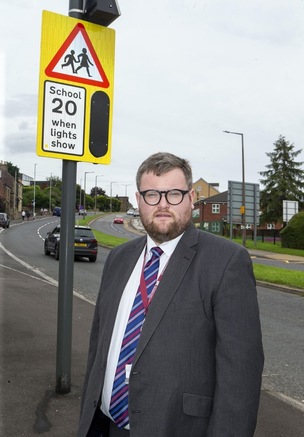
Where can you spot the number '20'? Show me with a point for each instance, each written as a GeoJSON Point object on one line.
{"type": "Point", "coordinates": [69, 107]}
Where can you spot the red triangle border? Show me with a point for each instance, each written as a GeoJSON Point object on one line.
{"type": "Point", "coordinates": [49, 69]}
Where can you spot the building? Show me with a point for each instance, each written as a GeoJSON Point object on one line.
{"type": "Point", "coordinates": [210, 214]}
{"type": "Point", "coordinates": [203, 189]}
{"type": "Point", "coordinates": [10, 192]}
{"type": "Point", "coordinates": [125, 204]}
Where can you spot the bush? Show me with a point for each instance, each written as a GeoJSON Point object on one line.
{"type": "Point", "coordinates": [292, 235]}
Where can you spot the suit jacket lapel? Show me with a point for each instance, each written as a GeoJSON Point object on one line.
{"type": "Point", "coordinates": [173, 275]}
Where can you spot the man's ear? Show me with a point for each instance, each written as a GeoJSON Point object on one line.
{"type": "Point", "coordinates": [191, 194]}
{"type": "Point", "coordinates": [137, 197]}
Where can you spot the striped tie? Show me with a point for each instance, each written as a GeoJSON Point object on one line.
{"type": "Point", "coordinates": [119, 398]}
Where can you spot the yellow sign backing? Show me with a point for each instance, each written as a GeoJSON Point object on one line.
{"type": "Point", "coordinates": [75, 90]}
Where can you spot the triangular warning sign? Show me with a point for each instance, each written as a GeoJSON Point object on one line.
{"type": "Point", "coordinates": [77, 61]}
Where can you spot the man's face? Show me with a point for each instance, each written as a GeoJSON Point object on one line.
{"type": "Point", "coordinates": [163, 221]}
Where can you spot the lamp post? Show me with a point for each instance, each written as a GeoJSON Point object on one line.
{"type": "Point", "coordinates": [97, 176]}
{"type": "Point", "coordinates": [80, 184]}
{"type": "Point", "coordinates": [50, 207]}
{"type": "Point", "coordinates": [84, 195]}
{"type": "Point", "coordinates": [113, 182]}
{"type": "Point", "coordinates": [126, 188]}
{"type": "Point", "coordinates": [242, 209]}
{"type": "Point", "coordinates": [34, 201]}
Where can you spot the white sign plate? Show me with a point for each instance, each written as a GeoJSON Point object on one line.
{"type": "Point", "coordinates": [63, 118]}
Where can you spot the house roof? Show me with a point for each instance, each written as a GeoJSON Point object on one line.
{"type": "Point", "coordinates": [217, 198]}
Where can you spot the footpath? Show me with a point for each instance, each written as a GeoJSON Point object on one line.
{"type": "Point", "coordinates": [29, 405]}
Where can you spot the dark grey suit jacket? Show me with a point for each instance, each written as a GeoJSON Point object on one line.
{"type": "Point", "coordinates": [198, 365]}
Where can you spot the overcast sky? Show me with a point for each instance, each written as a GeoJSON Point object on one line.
{"type": "Point", "coordinates": [185, 70]}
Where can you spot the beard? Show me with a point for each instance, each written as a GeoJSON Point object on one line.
{"type": "Point", "coordinates": [168, 231]}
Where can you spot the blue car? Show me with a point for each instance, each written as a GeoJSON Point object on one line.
{"type": "Point", "coordinates": [57, 211]}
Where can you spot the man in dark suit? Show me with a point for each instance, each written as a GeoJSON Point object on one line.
{"type": "Point", "coordinates": [195, 367]}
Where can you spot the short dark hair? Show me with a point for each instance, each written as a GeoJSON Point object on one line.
{"type": "Point", "coordinates": [163, 162]}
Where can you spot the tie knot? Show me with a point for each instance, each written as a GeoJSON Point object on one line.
{"type": "Point", "coordinates": [156, 251]}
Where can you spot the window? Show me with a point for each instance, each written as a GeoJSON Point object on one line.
{"type": "Point", "coordinates": [195, 213]}
{"type": "Point", "coordinates": [270, 226]}
{"type": "Point", "coordinates": [215, 208]}
{"type": "Point", "coordinates": [215, 227]}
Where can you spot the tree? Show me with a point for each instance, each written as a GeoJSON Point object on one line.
{"type": "Point", "coordinates": [41, 198]}
{"type": "Point", "coordinates": [99, 191]}
{"type": "Point", "coordinates": [55, 181]}
{"type": "Point", "coordinates": [283, 180]}
{"type": "Point", "coordinates": [12, 169]}
{"type": "Point", "coordinates": [292, 235]}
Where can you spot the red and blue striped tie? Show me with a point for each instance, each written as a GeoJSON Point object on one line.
{"type": "Point", "coordinates": [120, 392]}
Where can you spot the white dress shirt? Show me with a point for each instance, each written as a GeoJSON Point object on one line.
{"type": "Point", "coordinates": [123, 313]}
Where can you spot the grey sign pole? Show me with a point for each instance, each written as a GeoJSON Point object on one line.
{"type": "Point", "coordinates": [102, 13]}
{"type": "Point", "coordinates": [66, 261]}
{"type": "Point", "coordinates": [66, 273]}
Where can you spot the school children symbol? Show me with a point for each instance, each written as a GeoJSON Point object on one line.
{"type": "Point", "coordinates": [82, 58]}
{"type": "Point", "coordinates": [76, 61]}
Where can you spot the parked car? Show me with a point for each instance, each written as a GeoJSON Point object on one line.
{"type": "Point", "coordinates": [85, 243]}
{"type": "Point", "coordinates": [57, 211]}
{"type": "Point", "coordinates": [136, 213]}
{"type": "Point", "coordinates": [82, 212]}
{"type": "Point", "coordinates": [130, 212]}
{"type": "Point", "coordinates": [119, 220]}
{"type": "Point", "coordinates": [4, 220]}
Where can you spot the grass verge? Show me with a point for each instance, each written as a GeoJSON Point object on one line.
{"type": "Point", "coordinates": [270, 247]}
{"type": "Point", "coordinates": [276, 275]}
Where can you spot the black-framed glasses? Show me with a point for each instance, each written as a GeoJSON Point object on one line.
{"type": "Point", "coordinates": [173, 197]}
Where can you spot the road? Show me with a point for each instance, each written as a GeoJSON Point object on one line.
{"type": "Point", "coordinates": [106, 225]}
{"type": "Point", "coordinates": [282, 319]}
{"type": "Point", "coordinates": [281, 313]}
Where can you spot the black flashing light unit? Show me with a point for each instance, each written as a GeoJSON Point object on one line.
{"type": "Point", "coordinates": [102, 12]}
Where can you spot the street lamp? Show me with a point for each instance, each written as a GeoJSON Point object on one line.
{"type": "Point", "coordinates": [243, 212]}
{"type": "Point", "coordinates": [50, 207]}
{"type": "Point", "coordinates": [84, 195]}
{"type": "Point", "coordinates": [113, 182]}
{"type": "Point", "coordinates": [34, 201]}
{"type": "Point", "coordinates": [80, 184]}
{"type": "Point", "coordinates": [126, 189]}
{"type": "Point", "coordinates": [97, 176]}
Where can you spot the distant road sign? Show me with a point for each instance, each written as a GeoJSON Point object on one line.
{"type": "Point", "coordinates": [290, 208]}
{"type": "Point", "coordinates": [235, 202]}
{"type": "Point", "coordinates": [75, 90]}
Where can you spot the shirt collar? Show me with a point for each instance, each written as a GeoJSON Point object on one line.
{"type": "Point", "coordinates": [168, 246]}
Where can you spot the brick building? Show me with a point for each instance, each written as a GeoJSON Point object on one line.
{"type": "Point", "coordinates": [210, 214]}
{"type": "Point", "coordinates": [10, 192]}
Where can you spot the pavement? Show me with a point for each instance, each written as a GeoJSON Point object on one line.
{"type": "Point", "coordinates": [29, 404]}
